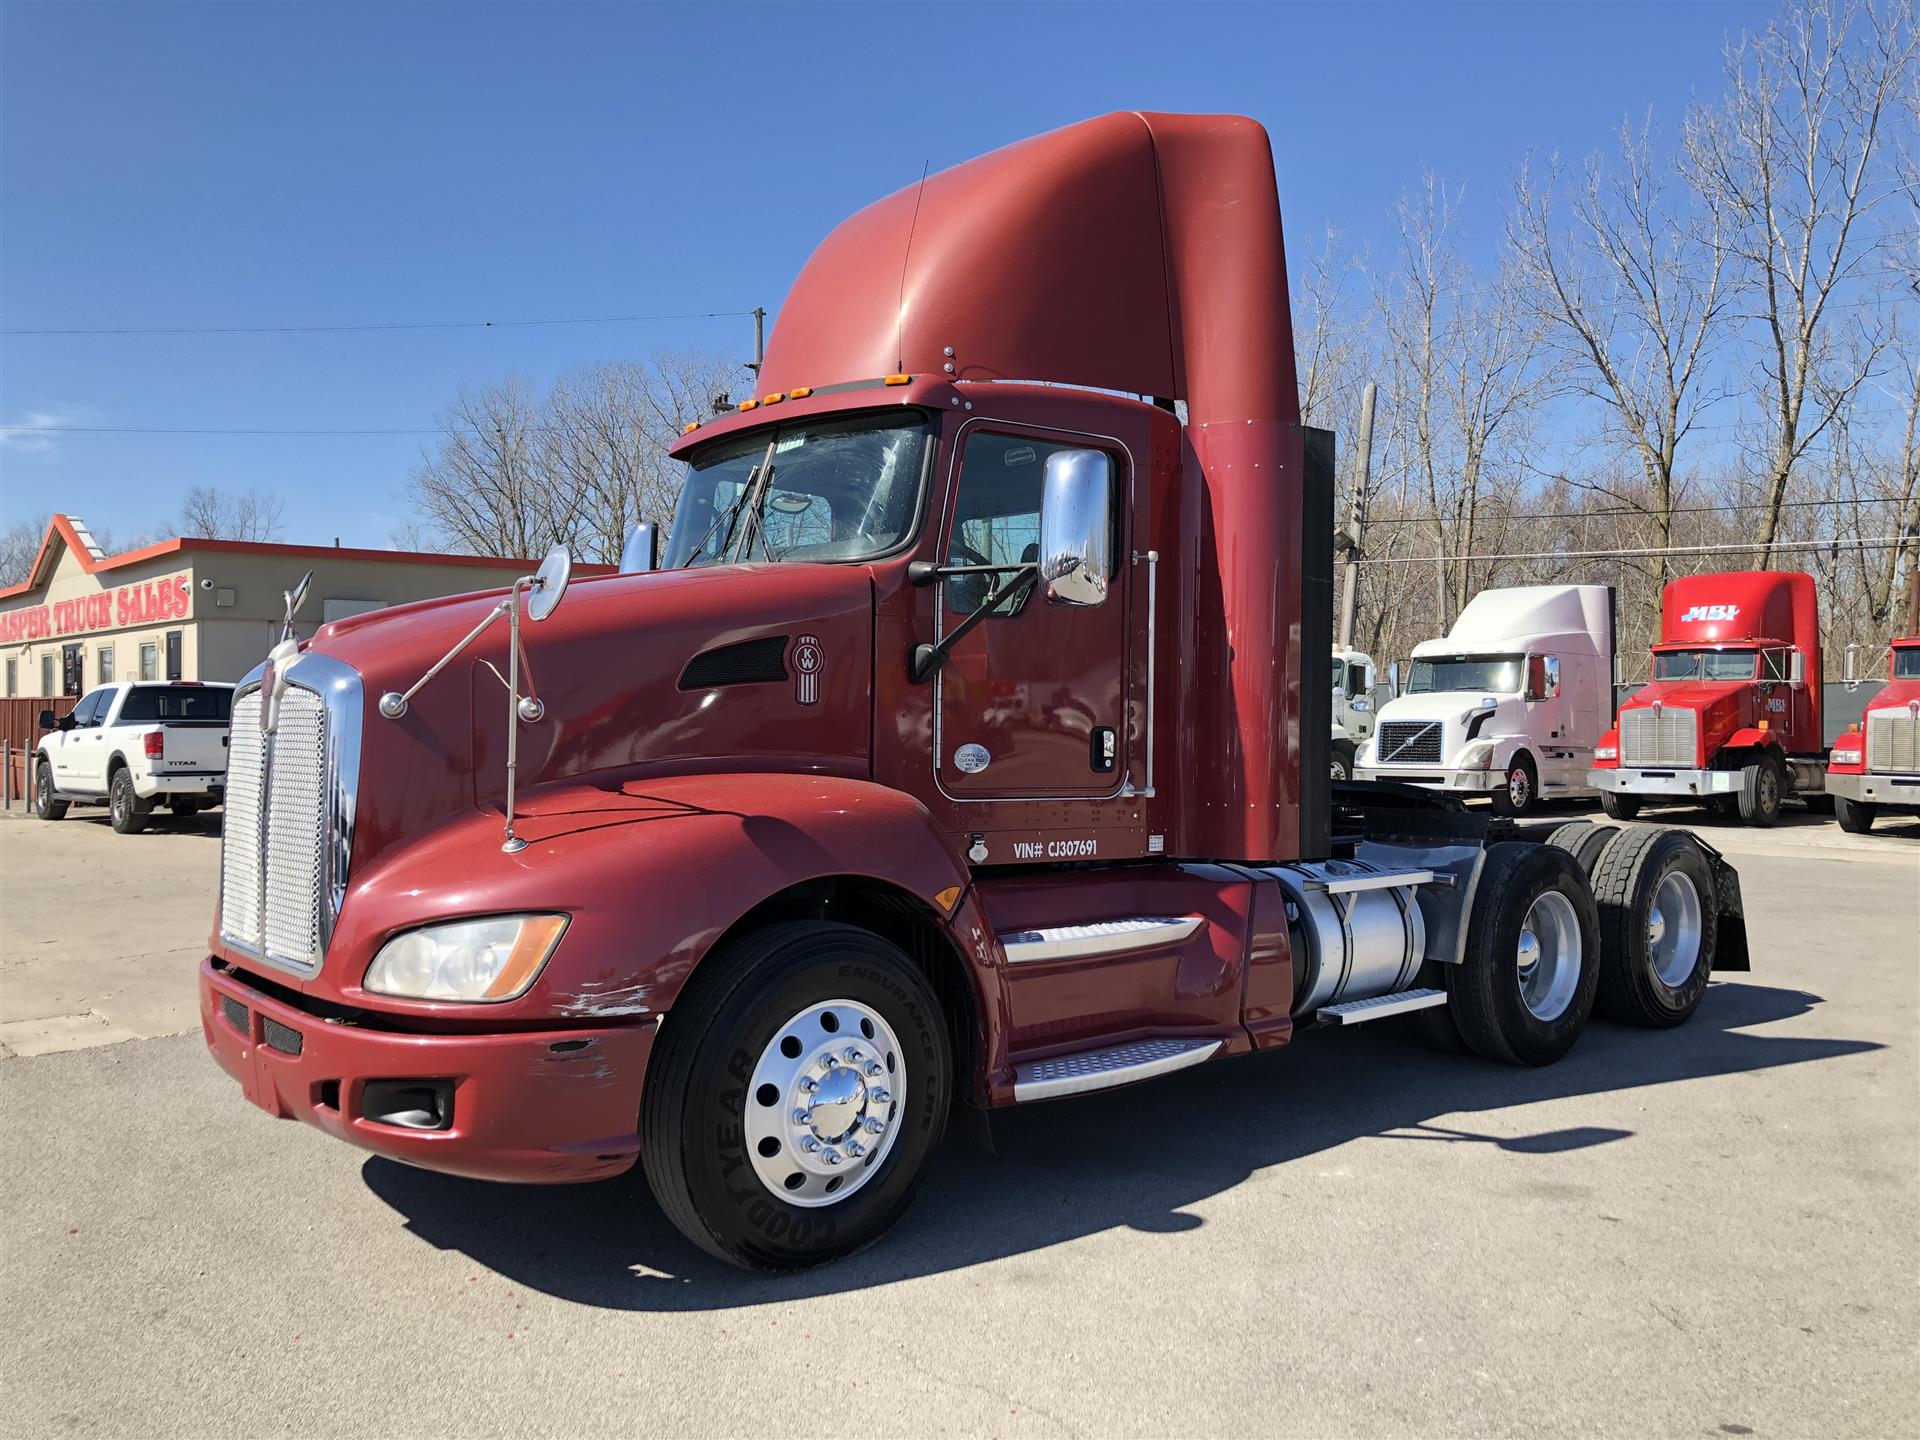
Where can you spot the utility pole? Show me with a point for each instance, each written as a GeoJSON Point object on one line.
{"type": "Point", "coordinates": [1357, 515]}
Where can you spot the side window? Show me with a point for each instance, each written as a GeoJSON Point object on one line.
{"type": "Point", "coordinates": [87, 712]}
{"type": "Point", "coordinates": [996, 520]}
{"type": "Point", "coordinates": [1776, 665]}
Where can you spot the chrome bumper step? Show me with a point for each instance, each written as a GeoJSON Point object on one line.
{"type": "Point", "coordinates": [1103, 1069]}
{"type": "Point", "coordinates": [1355, 1012]}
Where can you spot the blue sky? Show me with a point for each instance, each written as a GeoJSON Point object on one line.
{"type": "Point", "coordinates": [169, 166]}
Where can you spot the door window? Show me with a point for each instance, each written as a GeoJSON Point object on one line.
{"type": "Point", "coordinates": [87, 712]}
{"type": "Point", "coordinates": [996, 519]}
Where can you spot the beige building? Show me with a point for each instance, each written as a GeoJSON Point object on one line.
{"type": "Point", "coordinates": [198, 609]}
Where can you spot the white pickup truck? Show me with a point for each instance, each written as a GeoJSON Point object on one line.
{"type": "Point", "coordinates": [132, 746]}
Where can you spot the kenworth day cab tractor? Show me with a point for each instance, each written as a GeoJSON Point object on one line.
{"type": "Point", "coordinates": [967, 750]}
{"type": "Point", "coordinates": [1732, 714]}
{"type": "Point", "coordinates": [1876, 767]}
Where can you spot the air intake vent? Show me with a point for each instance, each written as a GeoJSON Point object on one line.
{"type": "Point", "coordinates": [751, 662]}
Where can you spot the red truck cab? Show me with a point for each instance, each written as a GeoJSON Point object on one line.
{"type": "Point", "coordinates": [970, 750]}
{"type": "Point", "coordinates": [1875, 767]}
{"type": "Point", "coordinates": [1732, 713]}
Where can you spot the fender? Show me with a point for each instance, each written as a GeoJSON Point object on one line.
{"type": "Point", "coordinates": [651, 873]}
{"type": "Point", "coordinates": [1752, 738]}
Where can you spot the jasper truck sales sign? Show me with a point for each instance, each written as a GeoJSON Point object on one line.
{"type": "Point", "coordinates": [151, 601]}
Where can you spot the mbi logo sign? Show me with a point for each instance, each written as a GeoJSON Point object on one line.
{"type": "Point", "coordinates": [1710, 612]}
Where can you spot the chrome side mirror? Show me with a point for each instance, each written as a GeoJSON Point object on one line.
{"type": "Point", "coordinates": [549, 583]}
{"type": "Point", "coordinates": [1076, 527]}
{"type": "Point", "coordinates": [641, 553]}
{"type": "Point", "coordinates": [1393, 677]}
{"type": "Point", "coordinates": [1847, 674]}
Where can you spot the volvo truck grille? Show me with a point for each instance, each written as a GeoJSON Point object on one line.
{"type": "Point", "coordinates": [1410, 742]}
{"type": "Point", "coordinates": [289, 824]}
{"type": "Point", "coordinates": [1659, 737]}
{"type": "Point", "coordinates": [1893, 742]}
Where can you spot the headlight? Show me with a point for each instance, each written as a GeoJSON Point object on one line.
{"type": "Point", "coordinates": [1477, 756]}
{"type": "Point", "coordinates": [1846, 757]}
{"type": "Point", "coordinates": [470, 960]}
{"type": "Point", "coordinates": [1606, 752]}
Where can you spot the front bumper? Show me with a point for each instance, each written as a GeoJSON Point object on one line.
{"type": "Point", "coordinates": [543, 1107]}
{"type": "Point", "coordinates": [1679, 783]}
{"type": "Point", "coordinates": [1463, 782]}
{"type": "Point", "coordinates": [1872, 789]}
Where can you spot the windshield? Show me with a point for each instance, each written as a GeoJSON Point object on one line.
{"type": "Point", "coordinates": [1498, 674]}
{"type": "Point", "coordinates": [1906, 664]}
{"type": "Point", "coordinates": [813, 490]}
{"type": "Point", "coordinates": [1704, 665]}
{"type": "Point", "coordinates": [212, 704]}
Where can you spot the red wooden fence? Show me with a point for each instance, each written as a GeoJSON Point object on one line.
{"type": "Point", "coordinates": [20, 724]}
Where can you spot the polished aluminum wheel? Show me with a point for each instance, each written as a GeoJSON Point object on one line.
{"type": "Point", "coordinates": [1549, 956]}
{"type": "Point", "coordinates": [1519, 787]}
{"type": "Point", "coordinates": [823, 1105]}
{"type": "Point", "coordinates": [1674, 930]}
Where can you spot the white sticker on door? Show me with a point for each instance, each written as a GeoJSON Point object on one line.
{"type": "Point", "coordinates": [972, 759]}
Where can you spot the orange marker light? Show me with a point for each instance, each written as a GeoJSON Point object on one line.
{"type": "Point", "coordinates": [800, 392]}
{"type": "Point", "coordinates": [689, 427]}
{"type": "Point", "coordinates": [538, 935]}
{"type": "Point", "coordinates": [748, 405]}
{"type": "Point", "coordinates": [774, 399]}
{"type": "Point", "coordinates": [898, 380]}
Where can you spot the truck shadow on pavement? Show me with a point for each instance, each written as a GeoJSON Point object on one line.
{"type": "Point", "coordinates": [1059, 1172]}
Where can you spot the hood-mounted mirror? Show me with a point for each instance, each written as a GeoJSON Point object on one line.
{"type": "Point", "coordinates": [641, 553]}
{"type": "Point", "coordinates": [294, 598]}
{"type": "Point", "coordinates": [549, 583]}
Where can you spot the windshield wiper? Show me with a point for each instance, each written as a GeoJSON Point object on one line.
{"type": "Point", "coordinates": [757, 518]}
{"type": "Point", "coordinates": [724, 518]}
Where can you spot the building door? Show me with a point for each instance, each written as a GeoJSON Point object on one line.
{"type": "Point", "coordinates": [1032, 701]}
{"type": "Point", "coordinates": [70, 679]}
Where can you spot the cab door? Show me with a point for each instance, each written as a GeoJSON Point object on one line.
{"type": "Point", "coordinates": [1032, 700]}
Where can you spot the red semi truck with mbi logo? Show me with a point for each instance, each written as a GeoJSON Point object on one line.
{"type": "Point", "coordinates": [1876, 766]}
{"type": "Point", "coordinates": [967, 750]}
{"type": "Point", "coordinates": [1732, 714]}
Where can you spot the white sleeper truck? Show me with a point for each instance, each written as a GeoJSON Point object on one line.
{"type": "Point", "coordinates": [1509, 704]}
{"type": "Point", "coordinates": [132, 746]}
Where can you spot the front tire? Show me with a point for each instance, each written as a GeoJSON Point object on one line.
{"type": "Point", "coordinates": [1525, 988]}
{"type": "Point", "coordinates": [1520, 794]}
{"type": "Point", "coordinates": [1760, 790]}
{"type": "Point", "coordinates": [44, 805]}
{"type": "Point", "coordinates": [1341, 763]}
{"type": "Point", "coordinates": [798, 1093]}
{"type": "Point", "coordinates": [128, 809]}
{"type": "Point", "coordinates": [1855, 816]}
{"type": "Point", "coordinates": [1658, 926]}
{"type": "Point", "coordinates": [1619, 807]}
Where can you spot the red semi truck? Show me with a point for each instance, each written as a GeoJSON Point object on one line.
{"type": "Point", "coordinates": [1732, 713]}
{"type": "Point", "coordinates": [968, 750]}
{"type": "Point", "coordinates": [1876, 767]}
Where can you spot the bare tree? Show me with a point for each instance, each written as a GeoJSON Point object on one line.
{"type": "Point", "coordinates": [18, 547]}
{"type": "Point", "coordinates": [211, 514]}
{"type": "Point", "coordinates": [1791, 158]}
{"type": "Point", "coordinates": [1630, 287]}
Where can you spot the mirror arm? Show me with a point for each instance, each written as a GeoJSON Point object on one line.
{"type": "Point", "coordinates": [926, 572]}
{"type": "Point", "coordinates": [929, 658]}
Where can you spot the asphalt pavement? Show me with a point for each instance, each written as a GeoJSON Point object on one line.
{"type": "Point", "coordinates": [1713, 1231]}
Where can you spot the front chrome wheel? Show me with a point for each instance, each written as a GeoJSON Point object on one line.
{"type": "Point", "coordinates": [1519, 788]}
{"type": "Point", "coordinates": [824, 1103]}
{"type": "Point", "coordinates": [1674, 930]}
{"type": "Point", "coordinates": [1548, 956]}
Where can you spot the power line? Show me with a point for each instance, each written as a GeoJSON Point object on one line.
{"type": "Point", "coordinates": [379, 326]}
{"type": "Point", "coordinates": [1646, 511]}
{"type": "Point", "coordinates": [1893, 542]}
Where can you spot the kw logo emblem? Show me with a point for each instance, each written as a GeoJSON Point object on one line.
{"type": "Point", "coordinates": [807, 659]}
{"type": "Point", "coordinates": [1710, 612]}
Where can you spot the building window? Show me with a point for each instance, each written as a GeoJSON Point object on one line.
{"type": "Point", "coordinates": [46, 676]}
{"type": "Point", "coordinates": [149, 660]}
{"type": "Point", "coordinates": [104, 665]}
{"type": "Point", "coordinates": [173, 655]}
{"type": "Point", "coordinates": [13, 675]}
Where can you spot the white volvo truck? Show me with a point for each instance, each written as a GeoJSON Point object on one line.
{"type": "Point", "coordinates": [1509, 704]}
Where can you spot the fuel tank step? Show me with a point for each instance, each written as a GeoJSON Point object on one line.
{"type": "Point", "coordinates": [1102, 1069]}
{"type": "Point", "coordinates": [1355, 1012]}
{"type": "Point", "coordinates": [1103, 937]}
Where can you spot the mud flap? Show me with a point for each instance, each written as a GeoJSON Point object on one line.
{"type": "Point", "coordinates": [1731, 951]}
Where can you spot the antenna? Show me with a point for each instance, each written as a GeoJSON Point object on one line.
{"type": "Point", "coordinates": [900, 311]}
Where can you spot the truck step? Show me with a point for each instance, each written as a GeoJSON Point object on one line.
{"type": "Point", "coordinates": [1102, 937]}
{"type": "Point", "coordinates": [1103, 1069]}
{"type": "Point", "coordinates": [1355, 1012]}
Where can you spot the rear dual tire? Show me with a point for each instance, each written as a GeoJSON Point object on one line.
{"type": "Point", "coordinates": [1658, 926]}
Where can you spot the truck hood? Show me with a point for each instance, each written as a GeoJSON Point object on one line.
{"type": "Point", "coordinates": [1895, 695]}
{"type": "Point", "coordinates": [1724, 706]}
{"type": "Point", "coordinates": [1454, 711]}
{"type": "Point", "coordinates": [746, 667]}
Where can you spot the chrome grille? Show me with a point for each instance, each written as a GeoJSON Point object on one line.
{"type": "Point", "coordinates": [1409, 742]}
{"type": "Point", "coordinates": [240, 832]}
{"type": "Point", "coordinates": [1893, 741]}
{"type": "Point", "coordinates": [1659, 737]}
{"type": "Point", "coordinates": [288, 836]}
